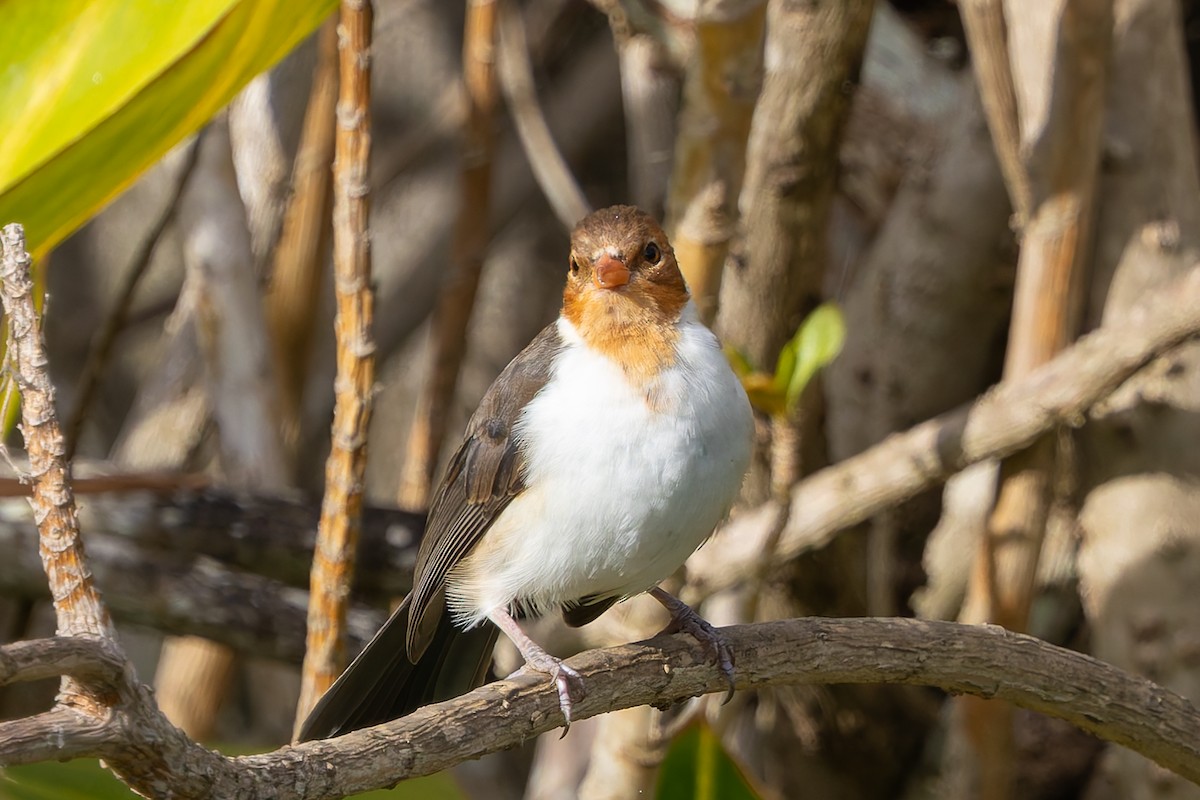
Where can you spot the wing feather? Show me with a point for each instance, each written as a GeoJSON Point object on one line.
{"type": "Point", "coordinates": [485, 474]}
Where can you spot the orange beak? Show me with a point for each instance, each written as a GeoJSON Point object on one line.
{"type": "Point", "coordinates": [609, 273]}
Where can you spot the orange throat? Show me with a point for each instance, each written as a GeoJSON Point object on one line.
{"type": "Point", "coordinates": [639, 335]}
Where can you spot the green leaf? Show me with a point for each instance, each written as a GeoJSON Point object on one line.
{"type": "Point", "coordinates": [815, 345]}
{"type": "Point", "coordinates": [92, 92]}
{"type": "Point", "coordinates": [697, 767]}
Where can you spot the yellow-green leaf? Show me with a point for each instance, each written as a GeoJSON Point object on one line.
{"type": "Point", "coordinates": [816, 344]}
{"type": "Point", "coordinates": [697, 767]}
{"type": "Point", "coordinates": [92, 92]}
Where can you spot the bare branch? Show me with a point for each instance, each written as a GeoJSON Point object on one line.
{"type": "Point", "coordinates": [77, 604]}
{"type": "Point", "coordinates": [545, 159]}
{"type": "Point", "coordinates": [182, 593]}
{"type": "Point", "coordinates": [56, 735]}
{"type": "Point", "coordinates": [979, 660]}
{"type": "Point", "coordinates": [293, 295]}
{"type": "Point", "coordinates": [814, 55]}
{"type": "Point", "coordinates": [650, 97]}
{"type": "Point", "coordinates": [1059, 55]}
{"type": "Point", "coordinates": [987, 37]}
{"type": "Point", "coordinates": [88, 659]}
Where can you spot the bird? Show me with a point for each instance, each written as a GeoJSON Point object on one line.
{"type": "Point", "coordinates": [601, 457]}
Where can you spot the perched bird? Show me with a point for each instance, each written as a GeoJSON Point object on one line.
{"type": "Point", "coordinates": [597, 462]}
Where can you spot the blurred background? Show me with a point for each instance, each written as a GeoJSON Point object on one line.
{"type": "Point", "coordinates": [971, 186]}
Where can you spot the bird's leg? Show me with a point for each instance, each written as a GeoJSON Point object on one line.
{"type": "Point", "coordinates": [686, 620]}
{"type": "Point", "coordinates": [566, 680]}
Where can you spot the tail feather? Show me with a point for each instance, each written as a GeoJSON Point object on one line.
{"type": "Point", "coordinates": [381, 684]}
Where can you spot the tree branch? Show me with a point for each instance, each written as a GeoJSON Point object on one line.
{"type": "Point", "coordinates": [77, 605]}
{"type": "Point", "coordinates": [981, 660]}
{"type": "Point", "coordinates": [88, 659]}
{"type": "Point", "coordinates": [545, 159]}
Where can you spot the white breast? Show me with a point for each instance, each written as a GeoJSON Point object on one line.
{"type": "Point", "coordinates": [624, 483]}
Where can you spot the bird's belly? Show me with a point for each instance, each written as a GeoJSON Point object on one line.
{"type": "Point", "coordinates": [620, 494]}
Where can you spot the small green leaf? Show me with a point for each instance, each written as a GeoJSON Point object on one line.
{"type": "Point", "coordinates": [814, 346]}
{"type": "Point", "coordinates": [697, 767]}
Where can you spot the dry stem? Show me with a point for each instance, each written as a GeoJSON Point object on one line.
{"type": "Point", "coordinates": [337, 539]}
{"type": "Point", "coordinates": [548, 165]}
{"type": "Point", "coordinates": [77, 605]}
{"type": "Point", "coordinates": [294, 291]}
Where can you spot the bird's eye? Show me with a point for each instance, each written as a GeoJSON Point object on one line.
{"type": "Point", "coordinates": [574, 266]}
{"type": "Point", "coordinates": [651, 254]}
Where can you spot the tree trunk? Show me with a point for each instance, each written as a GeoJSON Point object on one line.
{"type": "Point", "coordinates": [1140, 559]}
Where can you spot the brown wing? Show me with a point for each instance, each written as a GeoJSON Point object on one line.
{"type": "Point", "coordinates": [483, 477]}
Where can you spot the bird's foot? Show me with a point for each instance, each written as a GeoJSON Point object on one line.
{"type": "Point", "coordinates": [685, 620]}
{"type": "Point", "coordinates": [567, 681]}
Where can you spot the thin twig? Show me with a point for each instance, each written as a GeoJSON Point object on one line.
{"type": "Point", "coordinates": [987, 38]}
{"type": "Point", "coordinates": [337, 538]}
{"type": "Point", "coordinates": [548, 165]}
{"type": "Point", "coordinates": [101, 349]}
{"type": "Point", "coordinates": [157, 482]}
{"type": "Point", "coordinates": [295, 288]}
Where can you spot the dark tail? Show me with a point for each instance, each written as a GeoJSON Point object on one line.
{"type": "Point", "coordinates": [382, 684]}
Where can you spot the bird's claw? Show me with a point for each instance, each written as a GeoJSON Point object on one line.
{"type": "Point", "coordinates": [567, 681]}
{"type": "Point", "coordinates": [686, 620]}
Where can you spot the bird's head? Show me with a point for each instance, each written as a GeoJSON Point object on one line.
{"type": "Point", "coordinates": [621, 260]}
{"type": "Point", "coordinates": [624, 291]}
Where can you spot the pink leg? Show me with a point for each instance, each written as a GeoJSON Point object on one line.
{"type": "Point", "coordinates": [685, 620]}
{"type": "Point", "coordinates": [568, 681]}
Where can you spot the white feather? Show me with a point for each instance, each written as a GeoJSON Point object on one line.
{"type": "Point", "coordinates": [623, 483]}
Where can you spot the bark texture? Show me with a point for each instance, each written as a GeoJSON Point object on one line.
{"type": "Point", "coordinates": [1140, 558]}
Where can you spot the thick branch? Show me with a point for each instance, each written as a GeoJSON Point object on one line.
{"type": "Point", "coordinates": [778, 259]}
{"type": "Point", "coordinates": [59, 734]}
{"type": "Point", "coordinates": [88, 659]}
{"type": "Point", "coordinates": [985, 661]}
